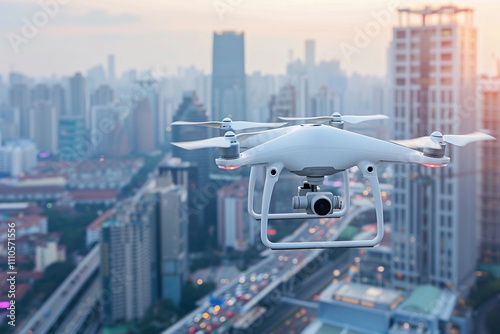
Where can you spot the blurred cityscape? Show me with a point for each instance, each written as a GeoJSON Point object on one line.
{"type": "Point", "coordinates": [118, 231]}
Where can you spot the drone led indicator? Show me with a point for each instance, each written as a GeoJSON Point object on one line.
{"type": "Point", "coordinates": [434, 165]}
{"type": "Point", "coordinates": [229, 167]}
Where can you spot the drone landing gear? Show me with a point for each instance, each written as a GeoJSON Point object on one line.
{"type": "Point", "coordinates": [273, 172]}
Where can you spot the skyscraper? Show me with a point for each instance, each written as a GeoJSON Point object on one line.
{"type": "Point", "coordinates": [19, 97]}
{"type": "Point", "coordinates": [432, 72]}
{"type": "Point", "coordinates": [72, 144]}
{"type": "Point", "coordinates": [44, 126]}
{"type": "Point", "coordinates": [9, 123]}
{"type": "Point", "coordinates": [58, 98]}
{"type": "Point", "coordinates": [310, 47]}
{"type": "Point", "coordinates": [192, 110]}
{"type": "Point", "coordinates": [235, 228]}
{"type": "Point", "coordinates": [489, 189]}
{"type": "Point", "coordinates": [78, 104]}
{"type": "Point", "coordinates": [142, 124]}
{"type": "Point", "coordinates": [40, 92]}
{"type": "Point", "coordinates": [282, 104]}
{"type": "Point", "coordinates": [172, 236]}
{"type": "Point", "coordinates": [127, 261]}
{"type": "Point", "coordinates": [228, 76]}
{"type": "Point", "coordinates": [111, 68]}
{"type": "Point", "coordinates": [103, 95]}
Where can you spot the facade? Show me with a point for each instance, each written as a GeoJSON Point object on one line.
{"type": "Point", "coordinates": [489, 93]}
{"type": "Point", "coordinates": [432, 68]}
{"type": "Point", "coordinates": [72, 137]}
{"type": "Point", "coordinates": [44, 126]}
{"type": "Point", "coordinates": [235, 228]}
{"type": "Point", "coordinates": [228, 76]}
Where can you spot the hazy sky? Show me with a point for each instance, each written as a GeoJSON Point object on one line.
{"type": "Point", "coordinates": [172, 33]}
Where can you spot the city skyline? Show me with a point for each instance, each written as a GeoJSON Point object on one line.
{"type": "Point", "coordinates": [62, 40]}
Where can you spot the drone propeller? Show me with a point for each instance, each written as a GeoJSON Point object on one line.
{"type": "Point", "coordinates": [234, 125]}
{"type": "Point", "coordinates": [436, 139]}
{"type": "Point", "coordinates": [220, 142]}
{"type": "Point", "coordinates": [337, 117]}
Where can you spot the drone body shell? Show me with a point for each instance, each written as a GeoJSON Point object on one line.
{"type": "Point", "coordinates": [318, 150]}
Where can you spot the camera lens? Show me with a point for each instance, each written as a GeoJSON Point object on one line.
{"type": "Point", "coordinates": [322, 207]}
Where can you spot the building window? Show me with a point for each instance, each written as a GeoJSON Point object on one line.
{"type": "Point", "coordinates": [400, 46]}
{"type": "Point", "coordinates": [446, 81]}
{"type": "Point", "coordinates": [446, 44]}
{"type": "Point", "coordinates": [446, 32]}
{"type": "Point", "coordinates": [400, 69]}
{"type": "Point", "coordinates": [400, 57]}
{"type": "Point", "coordinates": [400, 82]}
{"type": "Point", "coordinates": [446, 69]}
{"type": "Point", "coordinates": [446, 56]}
{"type": "Point", "coordinates": [401, 34]}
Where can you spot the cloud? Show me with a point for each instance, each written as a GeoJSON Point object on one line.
{"type": "Point", "coordinates": [101, 17]}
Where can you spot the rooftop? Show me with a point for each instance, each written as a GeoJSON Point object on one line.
{"type": "Point", "coordinates": [422, 300]}
{"type": "Point", "coordinates": [362, 294]}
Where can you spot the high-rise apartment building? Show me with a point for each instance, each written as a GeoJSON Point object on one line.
{"type": "Point", "coordinates": [104, 95]}
{"type": "Point", "coordinates": [142, 125]}
{"type": "Point", "coordinates": [127, 262]}
{"type": "Point", "coordinates": [58, 98]}
{"type": "Point", "coordinates": [283, 104]}
{"type": "Point", "coordinates": [44, 126]}
{"type": "Point", "coordinates": [78, 99]}
{"type": "Point", "coordinates": [228, 76]}
{"type": "Point", "coordinates": [9, 122]}
{"type": "Point", "coordinates": [40, 92]}
{"type": "Point", "coordinates": [489, 188]}
{"type": "Point", "coordinates": [144, 251]}
{"type": "Point", "coordinates": [432, 69]}
{"type": "Point", "coordinates": [235, 228]}
{"type": "Point", "coordinates": [20, 98]}
{"type": "Point", "coordinates": [72, 145]}
{"type": "Point", "coordinates": [111, 68]}
{"type": "Point", "coordinates": [171, 224]}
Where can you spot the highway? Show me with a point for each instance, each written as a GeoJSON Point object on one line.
{"type": "Point", "coordinates": [59, 301]}
{"type": "Point", "coordinates": [242, 294]}
{"type": "Point", "coordinates": [84, 307]}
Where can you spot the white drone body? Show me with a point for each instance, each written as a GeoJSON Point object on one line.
{"type": "Point", "coordinates": [316, 151]}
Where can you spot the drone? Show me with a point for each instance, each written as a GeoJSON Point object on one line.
{"type": "Point", "coordinates": [314, 150]}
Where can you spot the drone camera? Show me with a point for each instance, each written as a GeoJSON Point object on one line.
{"type": "Point", "coordinates": [317, 203]}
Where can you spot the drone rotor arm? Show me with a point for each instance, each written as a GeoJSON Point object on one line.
{"type": "Point", "coordinates": [211, 124]}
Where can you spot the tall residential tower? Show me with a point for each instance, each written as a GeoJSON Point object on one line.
{"type": "Point", "coordinates": [228, 76]}
{"type": "Point", "coordinates": [432, 69]}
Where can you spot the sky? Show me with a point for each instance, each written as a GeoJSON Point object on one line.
{"type": "Point", "coordinates": [74, 35]}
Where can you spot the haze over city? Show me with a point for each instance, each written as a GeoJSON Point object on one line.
{"type": "Point", "coordinates": [170, 34]}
